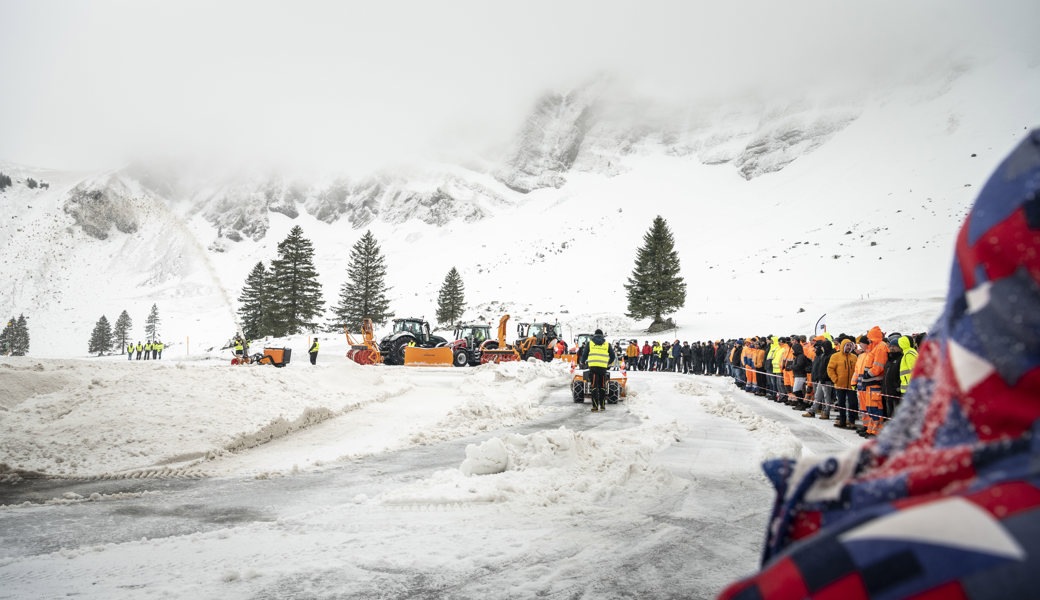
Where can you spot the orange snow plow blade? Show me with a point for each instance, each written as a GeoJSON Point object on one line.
{"type": "Point", "coordinates": [428, 357]}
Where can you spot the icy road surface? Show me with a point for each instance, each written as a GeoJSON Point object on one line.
{"type": "Point", "coordinates": [660, 497]}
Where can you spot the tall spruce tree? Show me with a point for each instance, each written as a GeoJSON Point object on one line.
{"type": "Point", "coordinates": [101, 337]}
{"type": "Point", "coordinates": [363, 295]}
{"type": "Point", "coordinates": [151, 324]}
{"type": "Point", "coordinates": [252, 311]}
{"type": "Point", "coordinates": [20, 341]}
{"type": "Point", "coordinates": [451, 300]}
{"type": "Point", "coordinates": [655, 287]}
{"type": "Point", "coordinates": [295, 291]}
{"type": "Point", "coordinates": [121, 331]}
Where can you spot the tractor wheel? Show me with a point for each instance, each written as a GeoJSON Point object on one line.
{"type": "Point", "coordinates": [397, 352]}
{"type": "Point", "coordinates": [613, 392]}
{"type": "Point", "coordinates": [461, 359]}
{"type": "Point", "coordinates": [536, 352]}
{"type": "Point", "coordinates": [578, 391]}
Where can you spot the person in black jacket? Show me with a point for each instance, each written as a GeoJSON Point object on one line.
{"type": "Point", "coordinates": [720, 359]}
{"type": "Point", "coordinates": [707, 358]}
{"type": "Point", "coordinates": [824, 395]}
{"type": "Point", "coordinates": [890, 385]}
{"type": "Point", "coordinates": [802, 366]}
{"type": "Point", "coordinates": [687, 357]}
{"type": "Point", "coordinates": [695, 358]}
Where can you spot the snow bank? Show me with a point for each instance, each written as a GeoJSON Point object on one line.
{"type": "Point", "coordinates": [774, 439]}
{"type": "Point", "coordinates": [554, 468]}
{"type": "Point", "coordinates": [114, 418]}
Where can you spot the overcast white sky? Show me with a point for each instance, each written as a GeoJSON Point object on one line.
{"type": "Point", "coordinates": [87, 85]}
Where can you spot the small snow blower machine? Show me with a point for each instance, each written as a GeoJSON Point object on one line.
{"type": "Point", "coordinates": [581, 386]}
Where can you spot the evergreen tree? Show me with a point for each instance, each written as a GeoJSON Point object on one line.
{"type": "Point", "coordinates": [5, 181]}
{"type": "Point", "coordinates": [20, 339]}
{"type": "Point", "coordinates": [121, 331]}
{"type": "Point", "coordinates": [655, 287]}
{"type": "Point", "coordinates": [31, 183]}
{"type": "Point", "coordinates": [101, 338]}
{"type": "Point", "coordinates": [296, 293]}
{"type": "Point", "coordinates": [451, 299]}
{"type": "Point", "coordinates": [151, 324]}
{"type": "Point", "coordinates": [251, 313]}
{"type": "Point", "coordinates": [363, 295]}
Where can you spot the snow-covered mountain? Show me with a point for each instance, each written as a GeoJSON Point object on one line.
{"type": "Point", "coordinates": [777, 205]}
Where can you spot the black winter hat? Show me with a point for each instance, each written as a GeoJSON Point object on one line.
{"type": "Point", "coordinates": [598, 332]}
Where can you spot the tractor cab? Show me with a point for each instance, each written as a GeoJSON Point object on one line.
{"type": "Point", "coordinates": [474, 335]}
{"type": "Point", "coordinates": [417, 327]}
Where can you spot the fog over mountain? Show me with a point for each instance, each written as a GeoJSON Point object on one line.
{"type": "Point", "coordinates": [353, 88]}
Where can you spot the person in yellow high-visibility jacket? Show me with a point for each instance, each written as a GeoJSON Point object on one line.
{"type": "Point", "coordinates": [598, 355]}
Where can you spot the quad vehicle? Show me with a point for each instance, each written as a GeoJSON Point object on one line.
{"type": "Point", "coordinates": [470, 342]}
{"type": "Point", "coordinates": [581, 387]}
{"type": "Point", "coordinates": [537, 340]}
{"type": "Point", "coordinates": [278, 357]}
{"type": "Point", "coordinates": [408, 332]}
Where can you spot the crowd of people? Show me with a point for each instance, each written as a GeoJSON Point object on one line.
{"type": "Point", "coordinates": [857, 379]}
{"type": "Point", "coordinates": [861, 379]}
{"type": "Point", "coordinates": [699, 358]}
{"type": "Point", "coordinates": [151, 350]}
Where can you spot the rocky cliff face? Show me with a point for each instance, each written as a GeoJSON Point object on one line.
{"type": "Point", "coordinates": [589, 130]}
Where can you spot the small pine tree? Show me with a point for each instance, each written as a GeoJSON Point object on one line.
{"type": "Point", "coordinates": [31, 183]}
{"type": "Point", "coordinates": [363, 295]}
{"type": "Point", "coordinates": [20, 343]}
{"type": "Point", "coordinates": [121, 331]}
{"type": "Point", "coordinates": [655, 287]}
{"type": "Point", "coordinates": [296, 293]}
{"type": "Point", "coordinates": [451, 300]}
{"type": "Point", "coordinates": [5, 181]}
{"type": "Point", "coordinates": [253, 306]}
{"type": "Point", "coordinates": [151, 324]}
{"type": "Point", "coordinates": [101, 338]}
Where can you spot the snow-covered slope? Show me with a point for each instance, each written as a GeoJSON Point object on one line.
{"type": "Point", "coordinates": [827, 204]}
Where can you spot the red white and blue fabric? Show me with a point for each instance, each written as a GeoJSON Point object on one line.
{"type": "Point", "coordinates": [945, 503]}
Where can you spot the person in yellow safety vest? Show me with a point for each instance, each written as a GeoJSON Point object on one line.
{"type": "Point", "coordinates": [239, 349]}
{"type": "Point", "coordinates": [774, 378]}
{"type": "Point", "coordinates": [655, 356]}
{"type": "Point", "coordinates": [597, 354]}
{"type": "Point", "coordinates": [130, 351]}
{"type": "Point", "coordinates": [140, 348]}
{"type": "Point", "coordinates": [148, 350]}
{"type": "Point", "coordinates": [314, 351]}
{"type": "Point", "coordinates": [906, 364]}
{"type": "Point", "coordinates": [159, 347]}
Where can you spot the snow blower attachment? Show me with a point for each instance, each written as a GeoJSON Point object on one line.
{"type": "Point", "coordinates": [364, 351]}
{"type": "Point", "coordinates": [503, 352]}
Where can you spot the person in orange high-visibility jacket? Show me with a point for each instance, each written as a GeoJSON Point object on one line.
{"type": "Point", "coordinates": [759, 360]}
{"type": "Point", "coordinates": [747, 358]}
{"type": "Point", "coordinates": [786, 362]}
{"type": "Point", "coordinates": [857, 377]}
{"type": "Point", "coordinates": [872, 376]}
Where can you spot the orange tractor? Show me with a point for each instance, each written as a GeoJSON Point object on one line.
{"type": "Point", "coordinates": [537, 340]}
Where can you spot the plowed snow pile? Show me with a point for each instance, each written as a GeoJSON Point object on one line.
{"type": "Point", "coordinates": [111, 418]}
